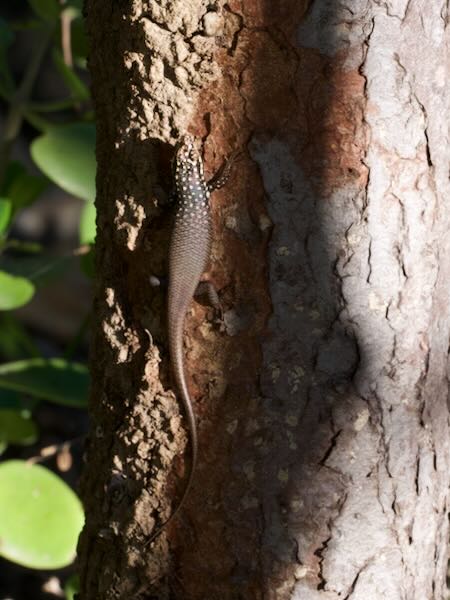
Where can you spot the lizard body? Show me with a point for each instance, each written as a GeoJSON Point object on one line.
{"type": "Point", "coordinates": [189, 252]}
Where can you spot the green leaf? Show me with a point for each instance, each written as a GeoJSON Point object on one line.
{"type": "Point", "coordinates": [20, 187]}
{"type": "Point", "coordinates": [57, 105]}
{"type": "Point", "coordinates": [66, 155]}
{"type": "Point", "coordinates": [55, 379]}
{"type": "Point", "coordinates": [14, 340]}
{"type": "Point", "coordinates": [72, 587]}
{"type": "Point", "coordinates": [14, 291]}
{"type": "Point", "coordinates": [48, 10]}
{"type": "Point", "coordinates": [74, 84]}
{"type": "Point", "coordinates": [79, 40]}
{"type": "Point", "coordinates": [10, 399]}
{"type": "Point", "coordinates": [5, 213]}
{"type": "Point", "coordinates": [17, 427]}
{"type": "Point", "coordinates": [25, 190]}
{"type": "Point", "coordinates": [87, 224]}
{"type": "Point", "coordinates": [78, 4]}
{"type": "Point", "coordinates": [14, 170]}
{"type": "Point", "coordinates": [41, 516]}
{"type": "Point", "coordinates": [39, 269]}
{"type": "Point", "coordinates": [87, 263]}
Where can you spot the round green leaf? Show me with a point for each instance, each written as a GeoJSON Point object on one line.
{"type": "Point", "coordinates": [14, 291]}
{"type": "Point", "coordinates": [24, 189]}
{"type": "Point", "coordinates": [41, 517]}
{"type": "Point", "coordinates": [54, 379]}
{"type": "Point", "coordinates": [87, 224]}
{"type": "Point", "coordinates": [66, 155]}
{"type": "Point", "coordinates": [17, 427]}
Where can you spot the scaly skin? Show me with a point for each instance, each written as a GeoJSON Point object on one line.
{"type": "Point", "coordinates": [189, 252]}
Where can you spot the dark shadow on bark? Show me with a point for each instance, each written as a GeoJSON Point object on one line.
{"type": "Point", "coordinates": [313, 174]}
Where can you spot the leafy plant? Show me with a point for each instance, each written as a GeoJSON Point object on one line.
{"type": "Point", "coordinates": [64, 151]}
{"type": "Point", "coordinates": [16, 427]}
{"type": "Point", "coordinates": [56, 380]}
{"type": "Point", "coordinates": [40, 516]}
{"type": "Point", "coordinates": [72, 587]}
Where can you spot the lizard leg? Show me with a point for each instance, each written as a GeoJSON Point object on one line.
{"type": "Point", "coordinates": [206, 288]}
{"type": "Point", "coordinates": [220, 178]}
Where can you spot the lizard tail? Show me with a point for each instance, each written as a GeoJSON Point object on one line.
{"type": "Point", "coordinates": [176, 354]}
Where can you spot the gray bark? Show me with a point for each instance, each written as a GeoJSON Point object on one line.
{"type": "Point", "coordinates": [323, 403]}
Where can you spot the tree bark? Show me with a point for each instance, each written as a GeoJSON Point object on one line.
{"type": "Point", "coordinates": [323, 400]}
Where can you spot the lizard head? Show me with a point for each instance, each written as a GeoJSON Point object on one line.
{"type": "Point", "coordinates": [188, 161]}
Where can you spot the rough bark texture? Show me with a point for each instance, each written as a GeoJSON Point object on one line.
{"type": "Point", "coordinates": [323, 403]}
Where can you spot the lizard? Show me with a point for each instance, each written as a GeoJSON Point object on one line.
{"type": "Point", "coordinates": [189, 251]}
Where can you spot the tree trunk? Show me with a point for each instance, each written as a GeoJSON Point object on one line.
{"type": "Point", "coordinates": [322, 401]}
